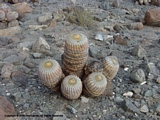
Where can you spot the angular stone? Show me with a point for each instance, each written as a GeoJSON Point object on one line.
{"type": "Point", "coordinates": [144, 109]}
{"type": "Point", "coordinates": [6, 108]}
{"type": "Point", "coordinates": [7, 70]}
{"type": "Point", "coordinates": [136, 90]}
{"type": "Point", "coordinates": [129, 106]}
{"type": "Point", "coordinates": [152, 17]}
{"type": "Point", "coordinates": [10, 31]}
{"type": "Point", "coordinates": [52, 23]}
{"type": "Point", "coordinates": [95, 52]}
{"type": "Point", "coordinates": [40, 46]}
{"type": "Point", "coordinates": [158, 80]}
{"type": "Point", "coordinates": [99, 37]}
{"type": "Point", "coordinates": [109, 89]}
{"type": "Point", "coordinates": [84, 99]}
{"type": "Point", "coordinates": [37, 55]}
{"type": "Point", "coordinates": [19, 78]}
{"type": "Point", "coordinates": [153, 69]}
{"type": "Point", "coordinates": [119, 40]}
{"type": "Point", "coordinates": [139, 51]}
{"type": "Point", "coordinates": [71, 109]}
{"type": "Point", "coordinates": [148, 93]}
{"type": "Point", "coordinates": [138, 75]}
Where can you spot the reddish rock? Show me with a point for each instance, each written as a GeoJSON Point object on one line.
{"type": "Point", "coordinates": [152, 17]}
{"type": "Point", "coordinates": [22, 8]}
{"type": "Point", "coordinates": [119, 40]}
{"type": "Point", "coordinates": [52, 23]}
{"type": "Point", "coordinates": [136, 26]}
{"type": "Point", "coordinates": [155, 2]}
{"type": "Point", "coordinates": [7, 70]}
{"type": "Point", "coordinates": [6, 108]}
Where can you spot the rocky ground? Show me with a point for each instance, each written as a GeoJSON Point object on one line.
{"type": "Point", "coordinates": [117, 29]}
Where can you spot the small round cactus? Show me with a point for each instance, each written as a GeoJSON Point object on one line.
{"type": "Point", "coordinates": [111, 67]}
{"type": "Point", "coordinates": [50, 73]}
{"type": "Point", "coordinates": [71, 87]}
{"type": "Point", "coordinates": [95, 84]}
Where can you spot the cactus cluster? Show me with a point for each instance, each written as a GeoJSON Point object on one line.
{"type": "Point", "coordinates": [70, 79]}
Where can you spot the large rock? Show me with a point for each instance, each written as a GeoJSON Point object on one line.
{"type": "Point", "coordinates": [6, 108]}
{"type": "Point", "coordinates": [22, 8]}
{"type": "Point", "coordinates": [10, 31]}
{"type": "Point", "coordinates": [19, 78]}
{"type": "Point", "coordinates": [45, 18]}
{"type": "Point", "coordinates": [152, 17]}
{"type": "Point", "coordinates": [7, 70]}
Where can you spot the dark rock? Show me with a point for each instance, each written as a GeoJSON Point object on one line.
{"type": "Point", "coordinates": [138, 75]}
{"type": "Point", "coordinates": [116, 3]}
{"type": "Point", "coordinates": [136, 90]}
{"type": "Point", "coordinates": [12, 59]}
{"type": "Point", "coordinates": [137, 96]}
{"type": "Point", "coordinates": [139, 51]}
{"type": "Point", "coordinates": [95, 52]}
{"type": "Point", "coordinates": [119, 40]}
{"type": "Point", "coordinates": [129, 106]}
{"type": "Point", "coordinates": [19, 78]}
{"type": "Point", "coordinates": [71, 109]}
{"type": "Point", "coordinates": [5, 41]}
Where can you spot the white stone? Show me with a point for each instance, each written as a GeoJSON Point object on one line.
{"type": "Point", "coordinates": [84, 99]}
{"type": "Point", "coordinates": [45, 18]}
{"type": "Point", "coordinates": [144, 109]}
{"type": "Point", "coordinates": [99, 37]}
{"type": "Point", "coordinates": [128, 94]}
{"type": "Point", "coordinates": [142, 83]}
